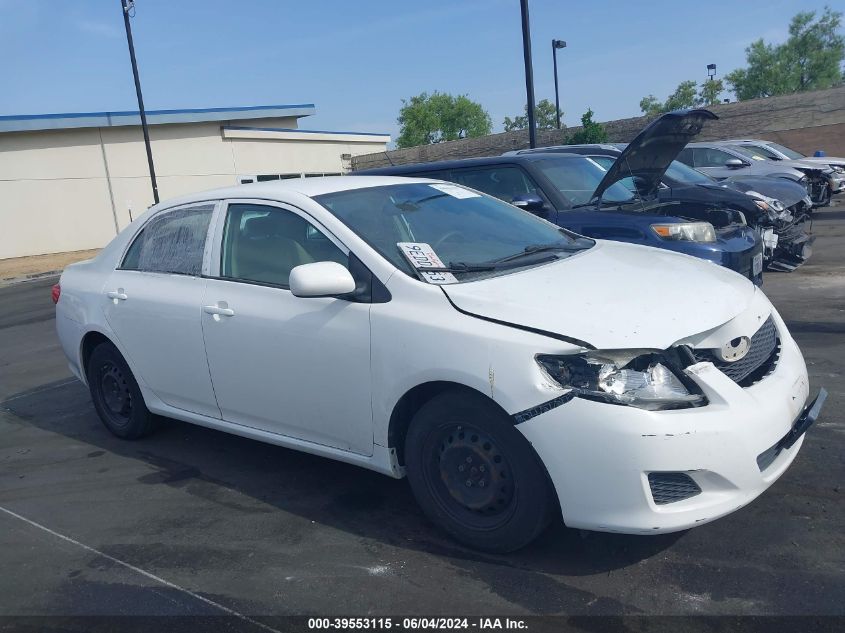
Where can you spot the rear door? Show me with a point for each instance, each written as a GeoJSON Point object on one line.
{"type": "Point", "coordinates": [153, 304]}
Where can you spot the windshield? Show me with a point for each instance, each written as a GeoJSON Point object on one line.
{"type": "Point", "coordinates": [791, 153]}
{"type": "Point", "coordinates": [680, 172]}
{"type": "Point", "coordinates": [578, 178]}
{"type": "Point", "coordinates": [465, 229]}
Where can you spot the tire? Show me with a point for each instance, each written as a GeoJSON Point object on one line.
{"type": "Point", "coordinates": [116, 395]}
{"type": "Point", "coordinates": [475, 475]}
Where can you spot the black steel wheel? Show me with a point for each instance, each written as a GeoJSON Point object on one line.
{"type": "Point", "coordinates": [116, 395]}
{"type": "Point", "coordinates": [475, 475]}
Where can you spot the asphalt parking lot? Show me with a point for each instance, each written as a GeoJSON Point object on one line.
{"type": "Point", "coordinates": [194, 521]}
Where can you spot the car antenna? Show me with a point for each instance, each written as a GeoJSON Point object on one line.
{"type": "Point", "coordinates": [389, 160]}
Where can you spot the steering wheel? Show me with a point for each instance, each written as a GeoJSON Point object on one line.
{"type": "Point", "coordinates": [446, 237]}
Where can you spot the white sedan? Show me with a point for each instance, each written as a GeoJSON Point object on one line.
{"type": "Point", "coordinates": [514, 371]}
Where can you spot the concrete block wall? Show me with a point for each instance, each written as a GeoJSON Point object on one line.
{"type": "Point", "coordinates": [806, 121]}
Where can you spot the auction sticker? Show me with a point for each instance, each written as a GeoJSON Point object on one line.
{"type": "Point", "coordinates": [422, 256]}
{"type": "Point", "coordinates": [455, 191]}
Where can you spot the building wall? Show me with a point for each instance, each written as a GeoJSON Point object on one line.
{"type": "Point", "coordinates": [74, 189]}
{"type": "Point", "coordinates": [806, 121]}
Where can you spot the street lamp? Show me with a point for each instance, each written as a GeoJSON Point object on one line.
{"type": "Point", "coordinates": [529, 73]}
{"type": "Point", "coordinates": [556, 44]}
{"type": "Point", "coordinates": [711, 71]}
{"type": "Point", "coordinates": [127, 6]}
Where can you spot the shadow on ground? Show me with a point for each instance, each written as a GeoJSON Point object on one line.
{"type": "Point", "coordinates": [205, 462]}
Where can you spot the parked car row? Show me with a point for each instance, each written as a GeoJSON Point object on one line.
{"type": "Point", "coordinates": [735, 208]}
{"type": "Point", "coordinates": [516, 371]}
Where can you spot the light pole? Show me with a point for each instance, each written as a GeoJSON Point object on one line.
{"type": "Point", "coordinates": [556, 44]}
{"type": "Point", "coordinates": [529, 73]}
{"type": "Point", "coordinates": [127, 6]}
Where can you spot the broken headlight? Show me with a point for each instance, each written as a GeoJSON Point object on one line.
{"type": "Point", "coordinates": [635, 378]}
{"type": "Point", "coordinates": [686, 231]}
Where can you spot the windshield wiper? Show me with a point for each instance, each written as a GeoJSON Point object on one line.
{"type": "Point", "coordinates": [537, 248]}
{"type": "Point", "coordinates": [459, 267]}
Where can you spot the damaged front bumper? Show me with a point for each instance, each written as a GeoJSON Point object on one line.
{"type": "Point", "coordinates": [612, 465]}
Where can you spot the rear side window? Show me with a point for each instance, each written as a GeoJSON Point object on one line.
{"type": "Point", "coordinates": [171, 242]}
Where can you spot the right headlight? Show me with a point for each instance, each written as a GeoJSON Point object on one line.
{"type": "Point", "coordinates": [686, 231]}
{"type": "Point", "coordinates": [636, 378]}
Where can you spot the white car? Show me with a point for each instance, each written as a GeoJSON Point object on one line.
{"type": "Point", "coordinates": [514, 371]}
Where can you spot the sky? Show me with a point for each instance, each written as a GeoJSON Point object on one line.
{"type": "Point", "coordinates": [357, 60]}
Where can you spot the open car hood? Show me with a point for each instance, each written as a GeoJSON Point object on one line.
{"type": "Point", "coordinates": [612, 296]}
{"type": "Point", "coordinates": [649, 155]}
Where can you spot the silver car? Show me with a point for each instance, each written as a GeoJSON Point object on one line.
{"type": "Point", "coordinates": [777, 152]}
{"type": "Point", "coordinates": [721, 159]}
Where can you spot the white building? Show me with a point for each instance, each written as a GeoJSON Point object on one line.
{"type": "Point", "coordinates": [72, 181]}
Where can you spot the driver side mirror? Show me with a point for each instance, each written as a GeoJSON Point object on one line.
{"type": "Point", "coordinates": [321, 279]}
{"type": "Point", "coordinates": [734, 163]}
{"type": "Point", "coordinates": [532, 203]}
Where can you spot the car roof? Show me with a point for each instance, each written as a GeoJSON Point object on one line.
{"type": "Point", "coordinates": [467, 162]}
{"type": "Point", "coordinates": [280, 189]}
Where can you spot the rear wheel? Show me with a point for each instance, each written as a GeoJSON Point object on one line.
{"type": "Point", "coordinates": [475, 475]}
{"type": "Point", "coordinates": [116, 395]}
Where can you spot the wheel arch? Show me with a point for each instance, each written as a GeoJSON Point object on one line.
{"type": "Point", "coordinates": [411, 402]}
{"type": "Point", "coordinates": [89, 342]}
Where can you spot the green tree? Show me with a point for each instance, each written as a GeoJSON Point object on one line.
{"type": "Point", "coordinates": [590, 132]}
{"type": "Point", "coordinates": [810, 59]}
{"type": "Point", "coordinates": [685, 96]}
{"type": "Point", "coordinates": [544, 118]}
{"type": "Point", "coordinates": [436, 117]}
{"type": "Point", "coordinates": [709, 93]}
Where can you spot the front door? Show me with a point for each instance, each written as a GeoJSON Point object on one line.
{"type": "Point", "coordinates": [153, 304]}
{"type": "Point", "coordinates": [295, 366]}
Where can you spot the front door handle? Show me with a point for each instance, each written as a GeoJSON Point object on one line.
{"type": "Point", "coordinates": [218, 310]}
{"type": "Point", "coordinates": [117, 295]}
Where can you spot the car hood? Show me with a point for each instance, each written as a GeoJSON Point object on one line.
{"type": "Point", "coordinates": [787, 191]}
{"type": "Point", "coordinates": [612, 296]}
{"type": "Point", "coordinates": [649, 155]}
{"type": "Point", "coordinates": [824, 160]}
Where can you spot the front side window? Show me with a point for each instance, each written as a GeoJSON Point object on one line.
{"type": "Point", "coordinates": [263, 244]}
{"type": "Point", "coordinates": [505, 183]}
{"type": "Point", "coordinates": [171, 242]}
{"type": "Point", "coordinates": [464, 228]}
{"type": "Point", "coordinates": [710, 157]}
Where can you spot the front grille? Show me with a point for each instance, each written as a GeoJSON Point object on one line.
{"type": "Point", "coordinates": [758, 363]}
{"type": "Point", "coordinates": [671, 487]}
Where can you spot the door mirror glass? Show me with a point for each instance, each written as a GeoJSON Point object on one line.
{"type": "Point", "coordinates": [734, 163]}
{"type": "Point", "coordinates": [321, 279]}
{"type": "Point", "coordinates": [530, 202]}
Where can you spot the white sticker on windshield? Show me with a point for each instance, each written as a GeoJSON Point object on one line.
{"type": "Point", "coordinates": [422, 256]}
{"type": "Point", "coordinates": [455, 191]}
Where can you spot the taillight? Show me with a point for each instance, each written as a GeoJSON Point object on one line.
{"type": "Point", "coordinates": [56, 293]}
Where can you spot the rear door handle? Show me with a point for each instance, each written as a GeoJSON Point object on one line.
{"type": "Point", "coordinates": [117, 295]}
{"type": "Point", "coordinates": [218, 310]}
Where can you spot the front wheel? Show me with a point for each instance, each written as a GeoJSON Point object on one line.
{"type": "Point", "coordinates": [475, 475]}
{"type": "Point", "coordinates": [116, 395]}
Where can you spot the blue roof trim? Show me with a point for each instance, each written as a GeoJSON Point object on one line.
{"type": "Point", "coordinates": [32, 122]}
{"type": "Point", "coordinates": [286, 129]}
